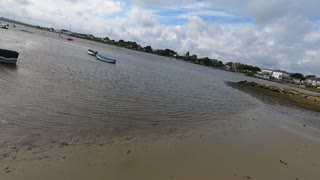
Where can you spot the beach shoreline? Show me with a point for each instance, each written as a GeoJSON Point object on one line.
{"type": "Point", "coordinates": [248, 148]}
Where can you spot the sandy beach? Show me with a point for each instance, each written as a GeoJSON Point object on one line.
{"type": "Point", "coordinates": [158, 125]}
{"type": "Point", "coordinates": [247, 148]}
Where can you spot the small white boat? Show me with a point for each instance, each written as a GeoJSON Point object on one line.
{"type": "Point", "coordinates": [7, 56]}
{"type": "Point", "coordinates": [92, 52]}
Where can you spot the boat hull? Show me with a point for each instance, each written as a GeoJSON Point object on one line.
{"type": "Point", "coordinates": [92, 52]}
{"type": "Point", "coordinates": [8, 60]}
{"type": "Point", "coordinates": [7, 56]}
{"type": "Point", "coordinates": [105, 59]}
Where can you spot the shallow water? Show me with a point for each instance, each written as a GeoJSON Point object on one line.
{"type": "Point", "coordinates": [57, 89]}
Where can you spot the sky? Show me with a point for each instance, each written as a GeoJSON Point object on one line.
{"type": "Point", "coordinates": [272, 34]}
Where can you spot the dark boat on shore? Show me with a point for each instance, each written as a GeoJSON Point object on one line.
{"type": "Point", "coordinates": [92, 52]}
{"type": "Point", "coordinates": [8, 56]}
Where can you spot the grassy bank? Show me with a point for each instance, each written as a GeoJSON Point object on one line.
{"type": "Point", "coordinates": [276, 97]}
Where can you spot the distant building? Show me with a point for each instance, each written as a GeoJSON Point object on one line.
{"type": "Point", "coordinates": [235, 66]}
{"type": "Point", "coordinates": [63, 31]}
{"type": "Point", "coordinates": [266, 71]}
{"type": "Point", "coordinates": [314, 81]}
{"type": "Point", "coordinates": [280, 74]}
{"type": "Point", "coordinates": [296, 80]}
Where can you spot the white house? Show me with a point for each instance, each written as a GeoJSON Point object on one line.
{"type": "Point", "coordinates": [266, 72]}
{"type": "Point", "coordinates": [280, 74]}
{"type": "Point", "coordinates": [314, 81]}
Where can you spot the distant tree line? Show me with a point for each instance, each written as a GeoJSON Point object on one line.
{"type": "Point", "coordinates": [297, 76]}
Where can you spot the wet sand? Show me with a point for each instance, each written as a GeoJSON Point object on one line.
{"type": "Point", "coordinates": [248, 148]}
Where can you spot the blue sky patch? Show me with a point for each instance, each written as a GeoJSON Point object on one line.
{"type": "Point", "coordinates": [181, 16]}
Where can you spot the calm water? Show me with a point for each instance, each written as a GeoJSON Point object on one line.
{"type": "Point", "coordinates": [57, 88]}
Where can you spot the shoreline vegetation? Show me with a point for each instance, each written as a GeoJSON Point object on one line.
{"type": "Point", "coordinates": [271, 94]}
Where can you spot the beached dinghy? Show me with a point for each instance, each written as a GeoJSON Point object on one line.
{"type": "Point", "coordinates": [7, 56]}
{"type": "Point", "coordinates": [92, 52]}
{"type": "Point", "coordinates": [105, 58]}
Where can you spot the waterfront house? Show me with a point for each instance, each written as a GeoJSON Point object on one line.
{"type": "Point", "coordinates": [280, 74]}
{"type": "Point", "coordinates": [296, 80]}
{"type": "Point", "coordinates": [314, 81]}
{"type": "Point", "coordinates": [266, 72]}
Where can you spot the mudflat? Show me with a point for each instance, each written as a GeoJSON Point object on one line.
{"type": "Point", "coordinates": [246, 148]}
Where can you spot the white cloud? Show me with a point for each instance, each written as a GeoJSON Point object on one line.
{"type": "Point", "coordinates": [281, 35]}
{"type": "Point", "coordinates": [312, 37]}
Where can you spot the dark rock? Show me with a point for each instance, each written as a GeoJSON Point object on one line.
{"type": "Point", "coordinates": [311, 98]}
{"type": "Point", "coordinates": [274, 89]}
{"type": "Point", "coordinates": [5, 155]}
{"type": "Point", "coordinates": [283, 162]}
{"type": "Point", "coordinates": [302, 96]}
{"type": "Point", "coordinates": [293, 93]}
{"type": "Point", "coordinates": [128, 152]}
{"type": "Point", "coordinates": [242, 82]}
{"type": "Point", "coordinates": [64, 144]}
{"type": "Point", "coordinates": [266, 86]}
{"type": "Point", "coordinates": [253, 84]}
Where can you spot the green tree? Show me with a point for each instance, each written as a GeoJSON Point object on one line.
{"type": "Point", "coordinates": [310, 76]}
{"type": "Point", "coordinates": [220, 64]}
{"type": "Point", "coordinates": [206, 61]}
{"type": "Point", "coordinates": [245, 67]}
{"type": "Point", "coordinates": [166, 52]}
{"type": "Point", "coordinates": [297, 76]}
{"type": "Point", "coordinates": [121, 43]}
{"type": "Point", "coordinates": [148, 49]}
{"type": "Point", "coordinates": [229, 64]}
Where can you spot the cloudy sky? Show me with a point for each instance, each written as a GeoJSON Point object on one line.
{"type": "Point", "coordinates": [274, 34]}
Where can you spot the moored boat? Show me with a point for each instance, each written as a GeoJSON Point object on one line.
{"type": "Point", "coordinates": [92, 52]}
{"type": "Point", "coordinates": [105, 58]}
{"type": "Point", "coordinates": [8, 56]}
